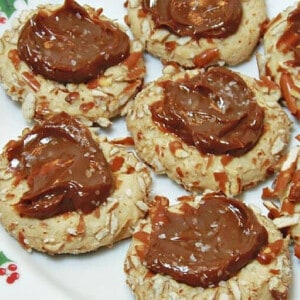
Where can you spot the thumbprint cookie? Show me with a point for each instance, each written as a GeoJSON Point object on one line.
{"type": "Point", "coordinates": [210, 129]}
{"type": "Point", "coordinates": [281, 59]}
{"type": "Point", "coordinates": [198, 33]}
{"type": "Point", "coordinates": [64, 189]}
{"type": "Point", "coordinates": [209, 247]}
{"type": "Point", "coordinates": [70, 59]}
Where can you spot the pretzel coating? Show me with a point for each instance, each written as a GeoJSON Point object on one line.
{"type": "Point", "coordinates": [96, 101]}
{"type": "Point", "coordinates": [75, 232]}
{"type": "Point", "coordinates": [280, 60]}
{"type": "Point", "coordinates": [198, 52]}
{"type": "Point", "coordinates": [253, 281]}
{"type": "Point", "coordinates": [168, 154]}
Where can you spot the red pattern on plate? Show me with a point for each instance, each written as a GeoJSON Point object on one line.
{"type": "Point", "coordinates": [3, 20]}
{"type": "Point", "coordinates": [8, 269]}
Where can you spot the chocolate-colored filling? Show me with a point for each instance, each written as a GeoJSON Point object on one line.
{"type": "Point", "coordinates": [290, 40]}
{"type": "Point", "coordinates": [64, 167]}
{"type": "Point", "coordinates": [211, 19]}
{"type": "Point", "coordinates": [205, 245]}
{"type": "Point", "coordinates": [68, 45]}
{"type": "Point", "coordinates": [214, 111]}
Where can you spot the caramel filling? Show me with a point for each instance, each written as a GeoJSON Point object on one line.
{"type": "Point", "coordinates": [68, 45]}
{"type": "Point", "coordinates": [290, 40]}
{"type": "Point", "coordinates": [204, 245]}
{"type": "Point", "coordinates": [214, 111]}
{"type": "Point", "coordinates": [196, 18]}
{"type": "Point", "coordinates": [64, 168]}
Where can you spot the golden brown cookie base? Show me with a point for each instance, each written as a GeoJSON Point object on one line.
{"type": "Point", "coordinates": [197, 53]}
{"type": "Point", "coordinates": [94, 102]}
{"type": "Point", "coordinates": [168, 154]}
{"type": "Point", "coordinates": [274, 63]}
{"type": "Point", "coordinates": [254, 281]}
{"type": "Point", "coordinates": [74, 232]}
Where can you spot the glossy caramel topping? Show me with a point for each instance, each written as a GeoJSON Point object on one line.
{"type": "Point", "coordinates": [214, 111]}
{"type": "Point", "coordinates": [68, 45]}
{"type": "Point", "coordinates": [197, 18]}
{"type": "Point", "coordinates": [204, 245]}
{"type": "Point", "coordinates": [290, 40]}
{"type": "Point", "coordinates": [64, 167]}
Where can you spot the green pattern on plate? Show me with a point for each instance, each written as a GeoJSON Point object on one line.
{"type": "Point", "coordinates": [7, 6]}
{"type": "Point", "coordinates": [3, 258]}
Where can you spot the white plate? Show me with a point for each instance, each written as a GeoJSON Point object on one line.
{"type": "Point", "coordinates": [99, 275]}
